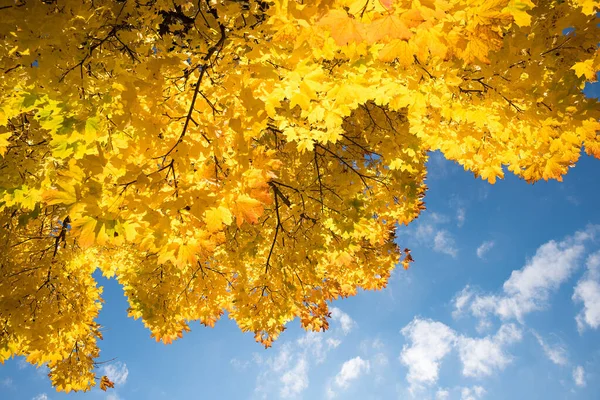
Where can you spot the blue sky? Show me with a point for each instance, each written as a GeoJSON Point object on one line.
{"type": "Point", "coordinates": [502, 302]}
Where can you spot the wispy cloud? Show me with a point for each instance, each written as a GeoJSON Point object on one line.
{"type": "Point", "coordinates": [429, 231]}
{"type": "Point", "coordinates": [579, 376]}
{"type": "Point", "coordinates": [443, 242]}
{"type": "Point", "coordinates": [285, 374]}
{"type": "Point", "coordinates": [473, 393]}
{"type": "Point", "coordinates": [116, 372]}
{"type": "Point", "coordinates": [587, 292]}
{"type": "Point", "coordinates": [555, 353]}
{"type": "Point", "coordinates": [437, 166]}
{"type": "Point", "coordinates": [239, 364]}
{"type": "Point", "coordinates": [461, 300]}
{"type": "Point", "coordinates": [295, 380]}
{"type": "Point", "coordinates": [484, 248]}
{"type": "Point", "coordinates": [461, 216]}
{"type": "Point", "coordinates": [22, 364]}
{"type": "Point", "coordinates": [346, 323]}
{"type": "Point", "coordinates": [41, 396]}
{"type": "Point", "coordinates": [442, 394]}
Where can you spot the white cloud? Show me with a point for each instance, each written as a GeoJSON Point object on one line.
{"type": "Point", "coordinates": [377, 344]}
{"type": "Point", "coordinates": [351, 370]}
{"type": "Point", "coordinates": [556, 353]}
{"type": "Point", "coordinates": [380, 360]}
{"type": "Point", "coordinates": [442, 394]}
{"type": "Point", "coordinates": [7, 382]}
{"type": "Point", "coordinates": [484, 248]}
{"type": "Point", "coordinates": [437, 166]}
{"type": "Point", "coordinates": [460, 216]}
{"type": "Point", "coordinates": [529, 288]}
{"type": "Point", "coordinates": [22, 364]}
{"type": "Point", "coordinates": [443, 242]}
{"type": "Point", "coordinates": [257, 358]}
{"type": "Point", "coordinates": [344, 319]}
{"type": "Point", "coordinates": [367, 345]}
{"type": "Point", "coordinates": [285, 373]}
{"type": "Point", "coordinates": [313, 342]}
{"type": "Point", "coordinates": [282, 359]}
{"type": "Point", "coordinates": [330, 393]}
{"type": "Point", "coordinates": [587, 292]}
{"type": "Point", "coordinates": [461, 300]}
{"type": "Point", "coordinates": [481, 356]}
{"type": "Point", "coordinates": [437, 218]}
{"type": "Point", "coordinates": [579, 376]}
{"type": "Point", "coordinates": [295, 380]}
{"type": "Point", "coordinates": [239, 364]}
{"type": "Point", "coordinates": [425, 232]}
{"type": "Point", "coordinates": [42, 370]}
{"type": "Point", "coordinates": [428, 233]}
{"type": "Point", "coordinates": [113, 396]}
{"type": "Point", "coordinates": [474, 393]}
{"type": "Point", "coordinates": [41, 396]}
{"type": "Point", "coordinates": [116, 372]}
{"type": "Point", "coordinates": [430, 341]}
{"type": "Point", "coordinates": [484, 325]}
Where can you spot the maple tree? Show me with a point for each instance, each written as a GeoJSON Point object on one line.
{"type": "Point", "coordinates": [254, 157]}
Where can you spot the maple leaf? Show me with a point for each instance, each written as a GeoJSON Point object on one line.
{"type": "Point", "coordinates": [388, 27]}
{"type": "Point", "coordinates": [4, 142]}
{"type": "Point", "coordinates": [216, 217]}
{"type": "Point", "coordinates": [85, 228]}
{"type": "Point", "coordinates": [247, 209]}
{"type": "Point", "coordinates": [585, 69]}
{"type": "Point", "coordinates": [106, 383]}
{"type": "Point", "coordinates": [397, 49]}
{"type": "Point", "coordinates": [344, 29]}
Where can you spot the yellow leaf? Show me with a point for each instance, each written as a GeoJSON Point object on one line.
{"type": "Point", "coordinates": [215, 217]}
{"type": "Point", "coordinates": [585, 68]}
{"type": "Point", "coordinates": [67, 196]}
{"type": "Point", "coordinates": [589, 7]}
{"type": "Point", "coordinates": [491, 172]}
{"type": "Point", "coordinates": [247, 209]}
{"type": "Point", "coordinates": [518, 9]}
{"type": "Point", "coordinates": [84, 228]}
{"type": "Point", "coordinates": [130, 230]}
{"type": "Point", "coordinates": [91, 127]}
{"type": "Point", "coordinates": [397, 49]}
{"type": "Point", "coordinates": [4, 142]}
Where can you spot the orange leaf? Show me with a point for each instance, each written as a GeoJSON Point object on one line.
{"type": "Point", "coordinates": [106, 383]}
{"type": "Point", "coordinates": [387, 28]}
{"type": "Point", "coordinates": [344, 29]}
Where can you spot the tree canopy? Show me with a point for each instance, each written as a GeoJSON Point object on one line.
{"type": "Point", "coordinates": [255, 157]}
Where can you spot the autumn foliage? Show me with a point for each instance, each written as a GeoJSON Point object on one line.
{"type": "Point", "coordinates": [254, 157]}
